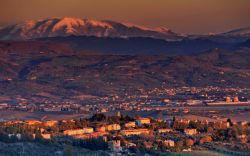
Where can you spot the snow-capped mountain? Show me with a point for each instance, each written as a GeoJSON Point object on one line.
{"type": "Point", "coordinates": [243, 32]}
{"type": "Point", "coordinates": [234, 36]}
{"type": "Point", "coordinates": [81, 27]}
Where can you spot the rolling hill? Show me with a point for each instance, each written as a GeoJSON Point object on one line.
{"type": "Point", "coordinates": [33, 67]}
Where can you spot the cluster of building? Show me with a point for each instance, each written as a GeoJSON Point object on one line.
{"type": "Point", "coordinates": [147, 130]}
{"type": "Point", "coordinates": [142, 100]}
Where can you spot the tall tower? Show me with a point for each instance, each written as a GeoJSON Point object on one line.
{"type": "Point", "coordinates": [118, 114]}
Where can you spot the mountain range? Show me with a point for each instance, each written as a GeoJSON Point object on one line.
{"type": "Point", "coordinates": [109, 37]}
{"type": "Point", "coordinates": [67, 26]}
{"type": "Point", "coordinates": [70, 57]}
{"type": "Point", "coordinates": [81, 27]}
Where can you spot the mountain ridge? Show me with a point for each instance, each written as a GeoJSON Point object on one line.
{"type": "Point", "coordinates": [53, 27]}
{"type": "Point", "coordinates": [30, 67]}
{"type": "Point", "coordinates": [238, 32]}
{"type": "Point", "coordinates": [68, 26]}
{"type": "Point", "coordinates": [143, 45]}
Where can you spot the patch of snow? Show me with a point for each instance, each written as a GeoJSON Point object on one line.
{"type": "Point", "coordinates": [162, 29]}
{"type": "Point", "coordinates": [69, 23]}
{"type": "Point", "coordinates": [96, 23]}
{"type": "Point", "coordinates": [24, 26]}
{"type": "Point", "coordinates": [130, 25]}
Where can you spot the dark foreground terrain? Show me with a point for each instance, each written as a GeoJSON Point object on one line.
{"type": "Point", "coordinates": [24, 149]}
{"type": "Point", "coordinates": [44, 149]}
{"type": "Point", "coordinates": [54, 70]}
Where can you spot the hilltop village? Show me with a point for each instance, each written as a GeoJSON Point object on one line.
{"type": "Point", "coordinates": [126, 135]}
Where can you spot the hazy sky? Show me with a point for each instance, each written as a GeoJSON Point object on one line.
{"type": "Point", "coordinates": [184, 16]}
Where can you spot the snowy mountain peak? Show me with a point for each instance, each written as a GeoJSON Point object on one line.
{"type": "Point", "coordinates": [163, 29]}
{"type": "Point", "coordinates": [69, 24]}
{"type": "Point", "coordinates": [81, 27]}
{"type": "Point", "coordinates": [131, 25]}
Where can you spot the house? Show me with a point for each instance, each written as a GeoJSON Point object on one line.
{"type": "Point", "coordinates": [50, 123]}
{"type": "Point", "coordinates": [18, 136]}
{"type": "Point", "coordinates": [243, 123]}
{"type": "Point", "coordinates": [134, 132]}
{"type": "Point", "coordinates": [4, 105]}
{"type": "Point", "coordinates": [91, 135]}
{"type": "Point", "coordinates": [14, 122]}
{"type": "Point", "coordinates": [68, 121]}
{"type": "Point", "coordinates": [103, 110]}
{"type": "Point", "coordinates": [46, 136]}
{"type": "Point", "coordinates": [183, 121]}
{"type": "Point", "coordinates": [164, 130]}
{"type": "Point", "coordinates": [220, 124]}
{"type": "Point", "coordinates": [88, 130]}
{"type": "Point", "coordinates": [32, 122]}
{"type": "Point", "coordinates": [113, 127]}
{"type": "Point", "coordinates": [101, 129]}
{"type": "Point", "coordinates": [190, 131]}
{"type": "Point", "coordinates": [73, 132]}
{"type": "Point", "coordinates": [169, 143]}
{"type": "Point", "coordinates": [187, 150]}
{"type": "Point", "coordinates": [242, 136]}
{"type": "Point", "coordinates": [143, 121]}
{"type": "Point", "coordinates": [130, 125]}
{"type": "Point", "coordinates": [34, 136]}
{"type": "Point", "coordinates": [41, 130]}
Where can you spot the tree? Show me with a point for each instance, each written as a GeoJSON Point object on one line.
{"type": "Point", "coordinates": [27, 137]}
{"type": "Point", "coordinates": [244, 140]}
{"type": "Point", "coordinates": [180, 125]}
{"type": "Point", "coordinates": [133, 149]}
{"type": "Point", "coordinates": [201, 127]}
{"type": "Point", "coordinates": [98, 117]}
{"type": "Point", "coordinates": [206, 139]}
{"type": "Point", "coordinates": [174, 118]}
{"type": "Point", "coordinates": [137, 116]}
{"type": "Point", "coordinates": [38, 136]}
{"type": "Point", "coordinates": [230, 122]}
{"type": "Point", "coordinates": [189, 142]}
{"type": "Point", "coordinates": [113, 119]}
{"type": "Point", "coordinates": [162, 147]}
{"type": "Point", "coordinates": [126, 118]}
{"type": "Point", "coordinates": [68, 151]}
{"type": "Point", "coordinates": [94, 144]}
{"type": "Point", "coordinates": [234, 132]}
{"type": "Point", "coordinates": [210, 130]}
{"type": "Point", "coordinates": [78, 124]}
{"type": "Point", "coordinates": [162, 124]}
{"type": "Point", "coordinates": [179, 143]}
{"type": "Point", "coordinates": [193, 124]}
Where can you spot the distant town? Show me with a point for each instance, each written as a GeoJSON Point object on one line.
{"type": "Point", "coordinates": [182, 119]}
{"type": "Point", "coordinates": [207, 102]}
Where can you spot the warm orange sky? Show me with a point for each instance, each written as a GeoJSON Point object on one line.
{"type": "Point", "coordinates": [184, 16]}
